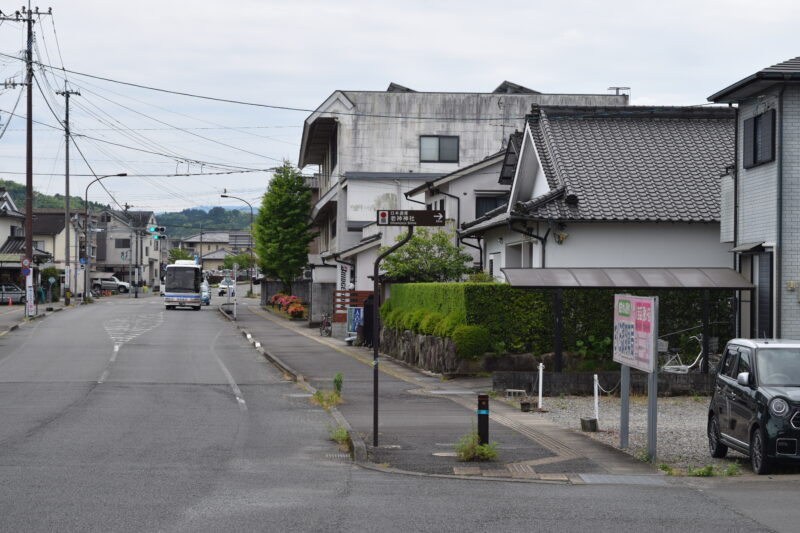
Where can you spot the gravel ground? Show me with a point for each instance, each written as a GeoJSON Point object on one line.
{"type": "Point", "coordinates": [682, 442]}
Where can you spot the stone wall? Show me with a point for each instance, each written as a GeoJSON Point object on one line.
{"type": "Point", "coordinates": [581, 383]}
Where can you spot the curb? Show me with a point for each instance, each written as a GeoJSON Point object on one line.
{"type": "Point", "coordinates": [359, 448]}
{"type": "Point", "coordinates": [37, 317]}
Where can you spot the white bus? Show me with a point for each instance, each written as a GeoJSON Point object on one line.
{"type": "Point", "coordinates": [183, 282]}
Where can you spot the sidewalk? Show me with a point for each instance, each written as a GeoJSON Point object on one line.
{"type": "Point", "coordinates": [421, 416]}
{"type": "Point", "coordinates": [12, 316]}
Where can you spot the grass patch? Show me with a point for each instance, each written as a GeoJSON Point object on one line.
{"type": "Point", "coordinates": [326, 399]}
{"type": "Point", "coordinates": [469, 448]}
{"type": "Point", "coordinates": [703, 471]}
{"type": "Point", "coordinates": [339, 436]}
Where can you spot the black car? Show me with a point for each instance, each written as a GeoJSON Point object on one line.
{"type": "Point", "coordinates": [755, 408]}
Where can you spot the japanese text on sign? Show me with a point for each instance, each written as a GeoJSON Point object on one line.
{"type": "Point", "coordinates": [635, 331]}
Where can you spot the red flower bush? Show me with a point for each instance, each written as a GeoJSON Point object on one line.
{"type": "Point", "coordinates": [296, 310]}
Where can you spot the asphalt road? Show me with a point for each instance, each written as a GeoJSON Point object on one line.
{"type": "Point", "coordinates": [121, 416]}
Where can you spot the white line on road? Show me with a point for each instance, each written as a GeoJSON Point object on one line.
{"type": "Point", "coordinates": [236, 391]}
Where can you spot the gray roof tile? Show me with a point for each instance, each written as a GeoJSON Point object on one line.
{"type": "Point", "coordinates": [636, 163]}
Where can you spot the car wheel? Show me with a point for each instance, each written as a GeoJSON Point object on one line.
{"type": "Point", "coordinates": [170, 307]}
{"type": "Point", "coordinates": [122, 289]}
{"type": "Point", "coordinates": [758, 452]}
{"type": "Point", "coordinates": [197, 308]}
{"type": "Point", "coordinates": [715, 447]}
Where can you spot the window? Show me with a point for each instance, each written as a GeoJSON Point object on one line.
{"type": "Point", "coordinates": [484, 204]}
{"type": "Point", "coordinates": [438, 149]}
{"type": "Point", "coordinates": [38, 245]}
{"type": "Point", "coordinates": [729, 364]}
{"type": "Point", "coordinates": [333, 228]}
{"type": "Point", "coordinates": [744, 362]}
{"type": "Point", "coordinates": [759, 139]}
{"type": "Point", "coordinates": [122, 243]}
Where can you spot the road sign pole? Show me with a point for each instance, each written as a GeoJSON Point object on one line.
{"type": "Point", "coordinates": [375, 329]}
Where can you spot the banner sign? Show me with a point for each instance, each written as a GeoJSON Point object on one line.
{"type": "Point", "coordinates": [404, 217]}
{"type": "Point", "coordinates": [635, 325]}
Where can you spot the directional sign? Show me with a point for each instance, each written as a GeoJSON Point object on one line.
{"type": "Point", "coordinates": [400, 217]}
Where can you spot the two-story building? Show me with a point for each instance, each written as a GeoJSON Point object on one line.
{"type": "Point", "coordinates": [760, 198]}
{"type": "Point", "coordinates": [374, 147]}
{"type": "Point", "coordinates": [126, 248]}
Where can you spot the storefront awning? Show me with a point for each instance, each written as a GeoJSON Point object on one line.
{"type": "Point", "coordinates": [626, 278]}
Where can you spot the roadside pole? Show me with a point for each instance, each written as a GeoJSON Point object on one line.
{"type": "Point", "coordinates": [635, 338]}
{"type": "Point", "coordinates": [392, 218]}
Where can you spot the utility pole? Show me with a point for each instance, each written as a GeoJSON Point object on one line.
{"type": "Point", "coordinates": [66, 93]}
{"type": "Point", "coordinates": [27, 17]}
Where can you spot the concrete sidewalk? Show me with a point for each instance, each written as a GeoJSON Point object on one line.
{"type": "Point", "coordinates": [422, 416]}
{"type": "Point", "coordinates": [13, 316]}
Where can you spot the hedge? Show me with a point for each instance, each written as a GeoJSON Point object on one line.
{"type": "Point", "coordinates": [519, 320]}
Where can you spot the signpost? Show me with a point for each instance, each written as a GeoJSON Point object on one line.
{"type": "Point", "coordinates": [392, 217]}
{"type": "Point", "coordinates": [635, 337]}
{"type": "Point", "coordinates": [405, 217]}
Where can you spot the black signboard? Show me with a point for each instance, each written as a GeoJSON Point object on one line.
{"type": "Point", "coordinates": [404, 217]}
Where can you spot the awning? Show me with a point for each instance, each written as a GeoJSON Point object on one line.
{"type": "Point", "coordinates": [752, 247]}
{"type": "Point", "coordinates": [626, 278]}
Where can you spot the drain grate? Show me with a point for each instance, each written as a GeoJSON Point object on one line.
{"type": "Point", "coordinates": [338, 456]}
{"type": "Point", "coordinates": [610, 479]}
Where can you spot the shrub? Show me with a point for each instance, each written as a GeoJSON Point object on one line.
{"type": "Point", "coordinates": [447, 325]}
{"type": "Point", "coordinates": [276, 298]}
{"type": "Point", "coordinates": [469, 448]}
{"type": "Point", "coordinates": [394, 319]}
{"type": "Point", "coordinates": [296, 310]}
{"type": "Point", "coordinates": [480, 277]}
{"type": "Point", "coordinates": [429, 323]}
{"type": "Point", "coordinates": [471, 341]}
{"type": "Point", "coordinates": [339, 436]}
{"type": "Point", "coordinates": [412, 320]}
{"type": "Point", "coordinates": [337, 383]}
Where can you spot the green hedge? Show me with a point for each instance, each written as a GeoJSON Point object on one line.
{"type": "Point", "coordinates": [519, 320]}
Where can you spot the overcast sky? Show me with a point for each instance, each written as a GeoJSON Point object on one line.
{"type": "Point", "coordinates": [296, 53]}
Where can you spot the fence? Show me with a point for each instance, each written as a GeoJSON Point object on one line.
{"type": "Point", "coordinates": [344, 299]}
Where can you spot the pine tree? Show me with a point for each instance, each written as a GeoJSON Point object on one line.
{"type": "Point", "coordinates": [282, 230]}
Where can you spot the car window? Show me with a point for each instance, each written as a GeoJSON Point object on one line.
{"type": "Point", "coordinates": [744, 361]}
{"type": "Point", "coordinates": [729, 364]}
{"type": "Point", "coordinates": [779, 366]}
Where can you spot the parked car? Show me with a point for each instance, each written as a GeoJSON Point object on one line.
{"type": "Point", "coordinates": [755, 407]}
{"type": "Point", "coordinates": [9, 290]}
{"type": "Point", "coordinates": [227, 285]}
{"type": "Point", "coordinates": [110, 283]}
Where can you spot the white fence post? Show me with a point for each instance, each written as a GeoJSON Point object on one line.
{"type": "Point", "coordinates": [596, 399]}
{"type": "Point", "coordinates": [541, 374]}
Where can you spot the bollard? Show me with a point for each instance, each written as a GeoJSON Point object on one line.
{"type": "Point", "coordinates": [541, 376]}
{"type": "Point", "coordinates": [483, 419]}
{"type": "Point", "coordinates": [596, 398]}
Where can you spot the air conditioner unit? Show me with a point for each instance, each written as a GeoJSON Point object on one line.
{"type": "Point", "coordinates": [307, 273]}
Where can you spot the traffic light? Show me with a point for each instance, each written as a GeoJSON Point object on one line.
{"type": "Point", "coordinates": [157, 237]}
{"type": "Point", "coordinates": [156, 229]}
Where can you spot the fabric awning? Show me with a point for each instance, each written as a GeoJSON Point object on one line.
{"type": "Point", "coordinates": [626, 278]}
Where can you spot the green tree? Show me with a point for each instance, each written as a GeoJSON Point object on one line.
{"type": "Point", "coordinates": [243, 259]}
{"type": "Point", "coordinates": [176, 254]}
{"type": "Point", "coordinates": [429, 256]}
{"type": "Point", "coordinates": [282, 231]}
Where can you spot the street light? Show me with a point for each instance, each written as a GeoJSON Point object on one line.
{"type": "Point", "coordinates": [86, 274]}
{"type": "Point", "coordinates": [250, 238]}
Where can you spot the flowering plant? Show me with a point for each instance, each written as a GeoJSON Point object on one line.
{"type": "Point", "coordinates": [286, 301]}
{"type": "Point", "coordinates": [275, 297]}
{"type": "Point", "coordinates": [296, 310]}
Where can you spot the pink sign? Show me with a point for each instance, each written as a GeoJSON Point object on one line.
{"type": "Point", "coordinates": [635, 330]}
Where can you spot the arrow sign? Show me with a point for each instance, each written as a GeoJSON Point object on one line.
{"type": "Point", "coordinates": [402, 217]}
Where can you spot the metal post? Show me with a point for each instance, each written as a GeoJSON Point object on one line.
{"type": "Point", "coordinates": [652, 392]}
{"type": "Point", "coordinates": [624, 396]}
{"type": "Point", "coordinates": [596, 399]}
{"type": "Point", "coordinates": [376, 329]}
{"type": "Point", "coordinates": [483, 419]}
{"type": "Point", "coordinates": [541, 378]}
{"type": "Point", "coordinates": [558, 312]}
{"type": "Point", "coordinates": [706, 328]}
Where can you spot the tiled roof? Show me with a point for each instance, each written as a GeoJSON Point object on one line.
{"type": "Point", "coordinates": [786, 71]}
{"type": "Point", "coordinates": [48, 223]}
{"type": "Point", "coordinates": [631, 164]}
{"type": "Point", "coordinates": [510, 158]}
{"type": "Point", "coordinates": [218, 254]}
{"type": "Point", "coordinates": [16, 245]}
{"type": "Point", "coordinates": [209, 237]}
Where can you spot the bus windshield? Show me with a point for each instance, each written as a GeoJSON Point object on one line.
{"type": "Point", "coordinates": [185, 279]}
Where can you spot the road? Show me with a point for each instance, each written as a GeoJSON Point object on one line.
{"type": "Point", "coordinates": [121, 416]}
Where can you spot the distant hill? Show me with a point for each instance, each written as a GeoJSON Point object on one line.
{"type": "Point", "coordinates": [178, 225]}
{"type": "Point", "coordinates": [190, 221]}
{"type": "Point", "coordinates": [44, 201]}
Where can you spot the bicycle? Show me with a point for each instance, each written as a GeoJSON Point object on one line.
{"type": "Point", "coordinates": [325, 327]}
{"type": "Point", "coordinates": [674, 364]}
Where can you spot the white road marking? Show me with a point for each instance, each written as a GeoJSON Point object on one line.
{"type": "Point", "coordinates": [234, 387]}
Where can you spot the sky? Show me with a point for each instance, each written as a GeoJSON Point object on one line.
{"type": "Point", "coordinates": [296, 53]}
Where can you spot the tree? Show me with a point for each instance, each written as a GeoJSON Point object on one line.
{"type": "Point", "coordinates": [428, 256]}
{"type": "Point", "coordinates": [176, 254]}
{"type": "Point", "coordinates": [282, 231]}
{"type": "Point", "coordinates": [243, 259]}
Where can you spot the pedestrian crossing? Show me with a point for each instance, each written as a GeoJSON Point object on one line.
{"type": "Point", "coordinates": [122, 330]}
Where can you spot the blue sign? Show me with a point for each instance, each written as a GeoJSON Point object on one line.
{"type": "Point", "coordinates": [83, 260]}
{"type": "Point", "coordinates": [26, 271]}
{"type": "Point", "coordinates": [355, 317]}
